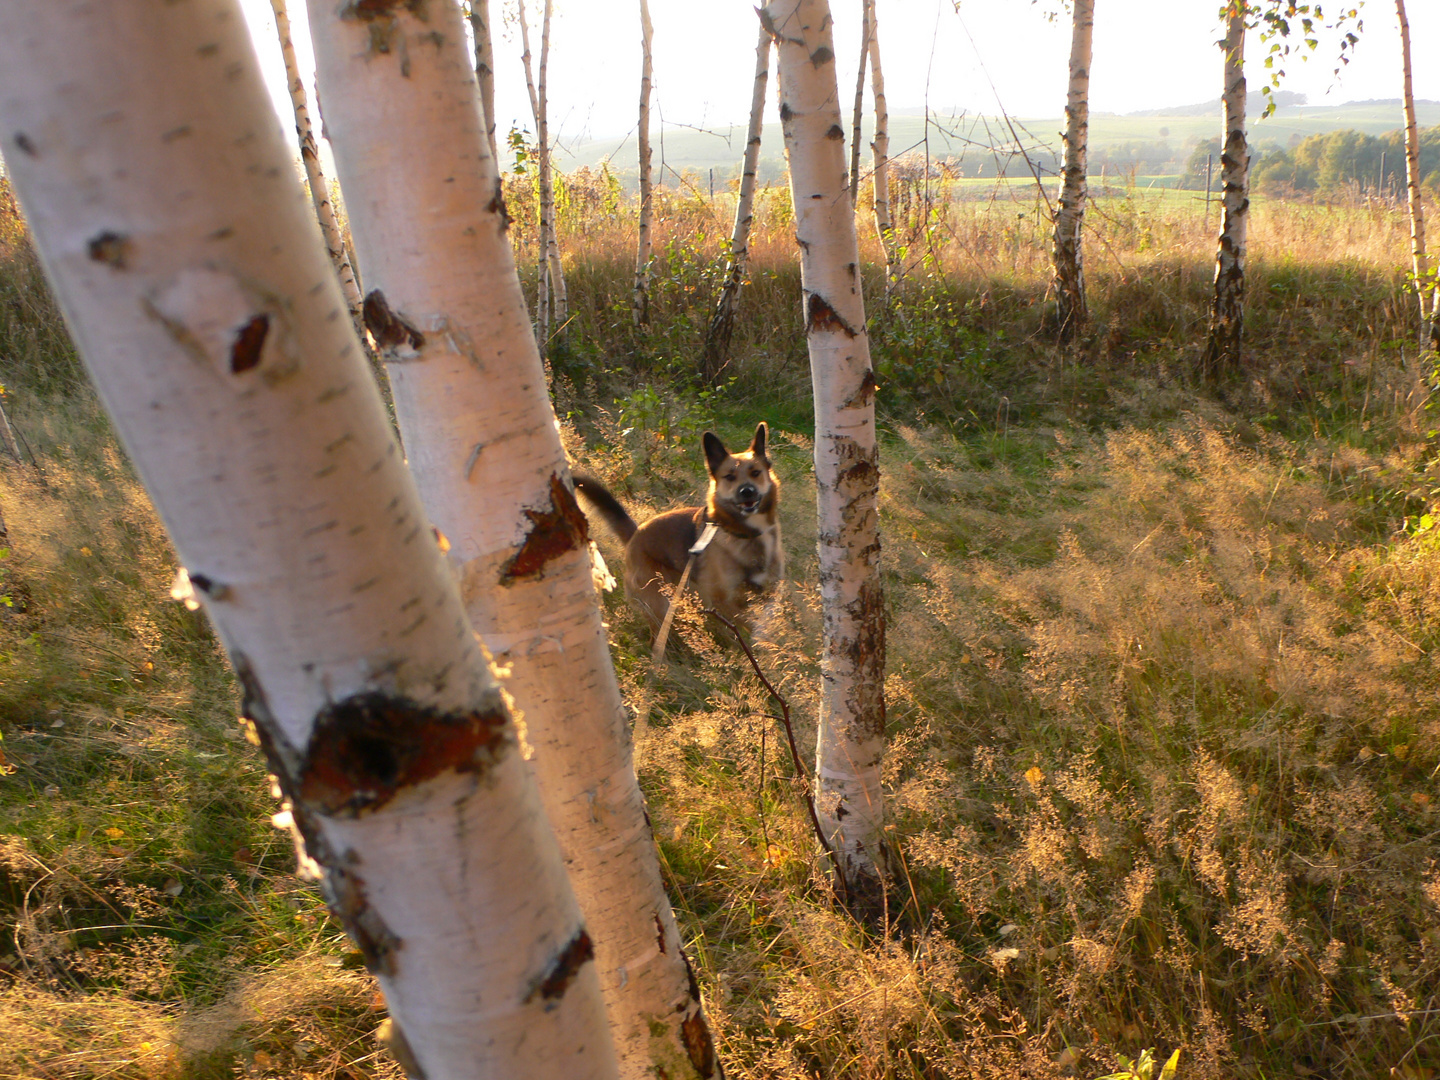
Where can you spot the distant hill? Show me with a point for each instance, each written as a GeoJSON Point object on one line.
{"type": "Point", "coordinates": [1152, 142]}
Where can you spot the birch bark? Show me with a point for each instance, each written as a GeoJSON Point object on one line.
{"type": "Point", "coordinates": [542, 184]}
{"type": "Point", "coordinates": [1419, 260]}
{"type": "Point", "coordinates": [162, 200]}
{"type": "Point", "coordinates": [485, 67]}
{"type": "Point", "coordinates": [847, 476]}
{"type": "Point", "coordinates": [310, 156]}
{"type": "Point", "coordinates": [483, 443]}
{"type": "Point", "coordinates": [1227, 314]}
{"type": "Point", "coordinates": [867, 11]}
{"type": "Point", "coordinates": [722, 323]}
{"type": "Point", "coordinates": [641, 302]}
{"type": "Point", "coordinates": [1070, 217]}
{"type": "Point", "coordinates": [559, 296]}
{"type": "Point", "coordinates": [880, 148]}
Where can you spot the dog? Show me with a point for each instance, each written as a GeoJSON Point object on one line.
{"type": "Point", "coordinates": [743, 558]}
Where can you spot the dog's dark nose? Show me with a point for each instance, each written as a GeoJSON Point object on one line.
{"type": "Point", "coordinates": [747, 493]}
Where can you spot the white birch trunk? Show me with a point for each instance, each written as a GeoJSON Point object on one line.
{"type": "Point", "coordinates": [858, 115]}
{"type": "Point", "coordinates": [310, 155]}
{"type": "Point", "coordinates": [482, 440]}
{"type": "Point", "coordinates": [542, 180]}
{"type": "Point", "coordinates": [722, 323]}
{"type": "Point", "coordinates": [1420, 263]}
{"type": "Point", "coordinates": [847, 476]}
{"type": "Point", "coordinates": [641, 302]}
{"type": "Point", "coordinates": [1070, 217]}
{"type": "Point", "coordinates": [880, 148]}
{"type": "Point", "coordinates": [559, 299]}
{"type": "Point", "coordinates": [1227, 315]}
{"type": "Point", "coordinates": [485, 67]}
{"type": "Point", "coordinates": [161, 197]}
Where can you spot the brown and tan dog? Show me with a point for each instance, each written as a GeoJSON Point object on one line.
{"type": "Point", "coordinates": [743, 558]}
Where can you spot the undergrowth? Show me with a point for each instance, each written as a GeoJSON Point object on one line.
{"type": "Point", "coordinates": [1161, 697]}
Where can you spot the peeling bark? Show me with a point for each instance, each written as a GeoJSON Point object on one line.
{"type": "Point", "coordinates": [1070, 216]}
{"type": "Point", "coordinates": [483, 443]}
{"type": "Point", "coordinates": [722, 323]}
{"type": "Point", "coordinates": [852, 707]}
{"type": "Point", "coordinates": [1227, 313]}
{"type": "Point", "coordinates": [219, 345]}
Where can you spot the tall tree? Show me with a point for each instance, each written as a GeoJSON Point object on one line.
{"type": "Point", "coordinates": [1227, 312]}
{"type": "Point", "coordinates": [847, 476]}
{"type": "Point", "coordinates": [880, 148]}
{"type": "Point", "coordinates": [1070, 216]}
{"type": "Point", "coordinates": [641, 301]}
{"type": "Point", "coordinates": [310, 156]}
{"type": "Point", "coordinates": [194, 279]}
{"type": "Point", "coordinates": [1424, 278]}
{"type": "Point", "coordinates": [867, 10]}
{"type": "Point", "coordinates": [722, 323]}
{"type": "Point", "coordinates": [552, 304]}
{"type": "Point", "coordinates": [485, 67]}
{"type": "Point", "coordinates": [469, 390]}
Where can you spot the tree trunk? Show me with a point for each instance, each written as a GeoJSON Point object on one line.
{"type": "Point", "coordinates": [542, 186]}
{"type": "Point", "coordinates": [722, 323]}
{"type": "Point", "coordinates": [310, 155]}
{"type": "Point", "coordinates": [485, 68]}
{"type": "Point", "coordinates": [867, 11]}
{"type": "Point", "coordinates": [847, 476]}
{"type": "Point", "coordinates": [1070, 217]}
{"type": "Point", "coordinates": [482, 440]}
{"type": "Point", "coordinates": [1424, 279]}
{"type": "Point", "coordinates": [1222, 350]}
{"type": "Point", "coordinates": [559, 297]}
{"type": "Point", "coordinates": [641, 302]}
{"type": "Point", "coordinates": [880, 147]}
{"type": "Point", "coordinates": [193, 277]}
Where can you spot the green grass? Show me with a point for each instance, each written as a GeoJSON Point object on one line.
{"type": "Point", "coordinates": [1161, 703]}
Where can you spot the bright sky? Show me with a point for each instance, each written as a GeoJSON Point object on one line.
{"type": "Point", "coordinates": [989, 52]}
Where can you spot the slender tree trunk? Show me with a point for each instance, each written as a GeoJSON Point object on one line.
{"type": "Point", "coordinates": [847, 475]}
{"type": "Point", "coordinates": [1227, 315]}
{"type": "Point", "coordinates": [483, 443]}
{"type": "Point", "coordinates": [485, 67]}
{"type": "Point", "coordinates": [559, 296]}
{"type": "Point", "coordinates": [1424, 279]}
{"type": "Point", "coordinates": [193, 277]}
{"type": "Point", "coordinates": [310, 155]}
{"type": "Point", "coordinates": [867, 12]}
{"type": "Point", "coordinates": [1070, 217]}
{"type": "Point", "coordinates": [641, 302]}
{"type": "Point", "coordinates": [880, 148]}
{"type": "Point", "coordinates": [542, 186]}
{"type": "Point", "coordinates": [722, 323]}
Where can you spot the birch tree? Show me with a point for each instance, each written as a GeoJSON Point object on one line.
{"type": "Point", "coordinates": [722, 323]}
{"type": "Point", "coordinates": [552, 303]}
{"type": "Point", "coordinates": [1222, 348]}
{"type": "Point", "coordinates": [1424, 278]}
{"type": "Point", "coordinates": [880, 148]}
{"type": "Point", "coordinates": [161, 198]}
{"type": "Point", "coordinates": [1070, 216]}
{"type": "Point", "coordinates": [641, 300]}
{"type": "Point", "coordinates": [470, 397]}
{"type": "Point", "coordinates": [847, 477]}
{"type": "Point", "coordinates": [867, 8]}
{"type": "Point", "coordinates": [310, 156]}
{"type": "Point", "coordinates": [485, 67]}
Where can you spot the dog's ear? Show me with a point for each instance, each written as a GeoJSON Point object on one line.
{"type": "Point", "coordinates": [715, 452]}
{"type": "Point", "coordinates": [757, 444]}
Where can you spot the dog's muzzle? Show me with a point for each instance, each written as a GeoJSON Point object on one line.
{"type": "Point", "coordinates": [748, 496]}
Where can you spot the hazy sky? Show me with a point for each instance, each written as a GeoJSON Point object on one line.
{"type": "Point", "coordinates": [704, 58]}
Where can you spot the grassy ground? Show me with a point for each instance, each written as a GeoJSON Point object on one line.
{"type": "Point", "coordinates": [1162, 703]}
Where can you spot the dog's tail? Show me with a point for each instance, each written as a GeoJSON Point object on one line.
{"type": "Point", "coordinates": [607, 506]}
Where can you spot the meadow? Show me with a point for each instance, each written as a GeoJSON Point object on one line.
{"type": "Point", "coordinates": [1162, 705]}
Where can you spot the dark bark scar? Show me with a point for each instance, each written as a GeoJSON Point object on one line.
{"type": "Point", "coordinates": [820, 316]}
{"type": "Point", "coordinates": [389, 329]}
{"type": "Point", "coordinates": [110, 248]}
{"type": "Point", "coordinates": [864, 395]}
{"type": "Point", "coordinates": [553, 531]}
{"type": "Point", "coordinates": [497, 206]}
{"type": "Point", "coordinates": [249, 343]}
{"type": "Point", "coordinates": [563, 969]}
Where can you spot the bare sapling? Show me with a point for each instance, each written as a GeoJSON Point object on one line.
{"type": "Point", "coordinates": [640, 303]}
{"type": "Point", "coordinates": [470, 397]}
{"type": "Point", "coordinates": [1227, 312]}
{"type": "Point", "coordinates": [880, 149]}
{"type": "Point", "coordinates": [851, 740]}
{"type": "Point", "coordinates": [722, 323]}
{"type": "Point", "coordinates": [1070, 215]}
{"type": "Point", "coordinates": [867, 11]}
{"type": "Point", "coordinates": [1419, 260]}
{"type": "Point", "coordinates": [191, 271]}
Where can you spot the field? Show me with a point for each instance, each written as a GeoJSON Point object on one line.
{"type": "Point", "coordinates": [1162, 705]}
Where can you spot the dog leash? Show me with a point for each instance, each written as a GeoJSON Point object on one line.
{"type": "Point", "coordinates": [657, 655]}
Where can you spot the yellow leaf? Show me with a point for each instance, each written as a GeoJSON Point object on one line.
{"type": "Point", "coordinates": [1034, 777]}
{"type": "Point", "coordinates": [114, 833]}
{"type": "Point", "coordinates": [1401, 752]}
{"type": "Point", "coordinates": [85, 551]}
{"type": "Point", "coordinates": [147, 1047]}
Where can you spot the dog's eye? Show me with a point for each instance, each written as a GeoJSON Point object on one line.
{"type": "Point", "coordinates": [755, 473]}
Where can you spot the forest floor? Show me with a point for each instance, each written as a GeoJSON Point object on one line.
{"type": "Point", "coordinates": [1162, 705]}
